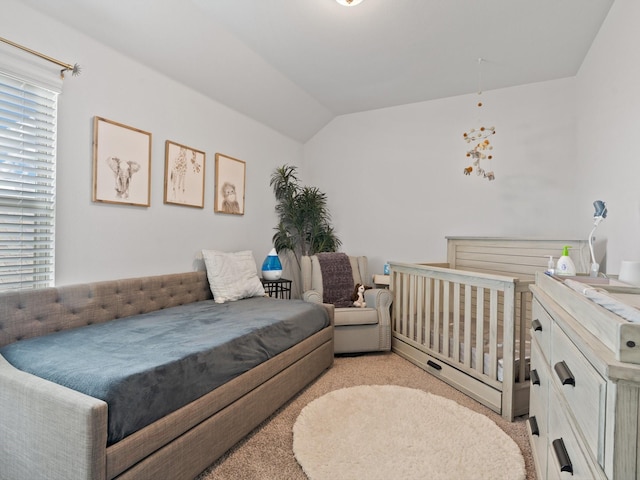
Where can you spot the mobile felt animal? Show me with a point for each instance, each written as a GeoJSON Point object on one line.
{"type": "Point", "coordinates": [358, 296]}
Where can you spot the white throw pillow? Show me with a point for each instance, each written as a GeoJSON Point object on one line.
{"type": "Point", "coordinates": [232, 276]}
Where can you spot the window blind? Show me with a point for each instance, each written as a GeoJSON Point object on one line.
{"type": "Point", "coordinates": [28, 119]}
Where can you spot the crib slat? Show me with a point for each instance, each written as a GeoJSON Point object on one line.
{"type": "Point", "coordinates": [479, 347]}
{"type": "Point", "coordinates": [493, 334]}
{"type": "Point", "coordinates": [467, 326]}
{"type": "Point", "coordinates": [456, 321]}
{"type": "Point", "coordinates": [507, 352]}
{"type": "Point", "coordinates": [405, 303]}
{"type": "Point", "coordinates": [412, 305]}
{"type": "Point", "coordinates": [397, 292]}
{"type": "Point", "coordinates": [445, 318]}
{"type": "Point", "coordinates": [394, 286]}
{"type": "Point", "coordinates": [436, 315]}
{"type": "Point", "coordinates": [428, 305]}
{"type": "Point", "coordinates": [420, 310]}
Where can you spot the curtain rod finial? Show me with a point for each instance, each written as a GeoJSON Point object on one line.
{"type": "Point", "coordinates": [75, 70]}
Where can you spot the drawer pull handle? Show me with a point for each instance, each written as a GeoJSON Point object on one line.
{"type": "Point", "coordinates": [564, 374]}
{"type": "Point", "coordinates": [533, 425]}
{"type": "Point", "coordinates": [433, 364]}
{"type": "Point", "coordinates": [562, 456]}
{"type": "Point", "coordinates": [535, 378]}
{"type": "Point", "coordinates": [536, 325]}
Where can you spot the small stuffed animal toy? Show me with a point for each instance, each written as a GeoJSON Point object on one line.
{"type": "Point", "coordinates": [358, 296]}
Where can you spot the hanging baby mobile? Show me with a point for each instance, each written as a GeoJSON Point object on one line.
{"type": "Point", "coordinates": [481, 146]}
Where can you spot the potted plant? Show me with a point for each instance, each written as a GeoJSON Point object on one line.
{"type": "Point", "coordinates": [304, 222]}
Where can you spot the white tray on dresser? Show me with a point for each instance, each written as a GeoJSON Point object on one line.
{"type": "Point", "coordinates": [585, 393]}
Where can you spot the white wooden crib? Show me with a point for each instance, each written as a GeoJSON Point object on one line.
{"type": "Point", "coordinates": [467, 320]}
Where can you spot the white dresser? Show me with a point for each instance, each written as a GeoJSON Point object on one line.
{"type": "Point", "coordinates": [585, 386]}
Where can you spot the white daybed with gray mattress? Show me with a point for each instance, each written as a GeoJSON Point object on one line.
{"type": "Point", "coordinates": [170, 430]}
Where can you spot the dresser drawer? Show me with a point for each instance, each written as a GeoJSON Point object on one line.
{"type": "Point", "coordinates": [541, 328]}
{"type": "Point", "coordinates": [565, 451]}
{"type": "Point", "coordinates": [583, 389]}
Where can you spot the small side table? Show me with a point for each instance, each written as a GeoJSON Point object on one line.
{"type": "Point", "coordinates": [280, 288]}
{"type": "Point", "coordinates": [381, 281]}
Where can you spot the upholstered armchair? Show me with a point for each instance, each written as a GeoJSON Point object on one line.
{"type": "Point", "coordinates": [357, 329]}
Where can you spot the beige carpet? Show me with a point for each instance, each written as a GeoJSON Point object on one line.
{"type": "Point", "coordinates": [380, 432]}
{"type": "Point", "coordinates": [267, 453]}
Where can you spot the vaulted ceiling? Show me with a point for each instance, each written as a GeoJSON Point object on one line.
{"type": "Point", "coordinates": [296, 64]}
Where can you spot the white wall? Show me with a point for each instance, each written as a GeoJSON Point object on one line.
{"type": "Point", "coordinates": [394, 176]}
{"type": "Point", "coordinates": [559, 146]}
{"type": "Point", "coordinates": [98, 241]}
{"type": "Point", "coordinates": [608, 131]}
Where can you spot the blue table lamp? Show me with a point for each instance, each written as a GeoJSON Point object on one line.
{"type": "Point", "coordinates": [271, 267]}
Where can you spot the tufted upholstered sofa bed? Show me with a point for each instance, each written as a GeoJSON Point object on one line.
{"type": "Point", "coordinates": [51, 431]}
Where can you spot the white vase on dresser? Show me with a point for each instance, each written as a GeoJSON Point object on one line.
{"type": "Point", "coordinates": [585, 385]}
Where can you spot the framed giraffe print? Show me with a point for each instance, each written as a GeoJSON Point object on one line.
{"type": "Point", "coordinates": [230, 185]}
{"type": "Point", "coordinates": [183, 175]}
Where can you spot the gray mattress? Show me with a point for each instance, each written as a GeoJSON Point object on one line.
{"type": "Point", "coordinates": [149, 365]}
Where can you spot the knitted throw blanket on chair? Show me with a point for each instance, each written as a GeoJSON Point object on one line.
{"type": "Point", "coordinates": [337, 279]}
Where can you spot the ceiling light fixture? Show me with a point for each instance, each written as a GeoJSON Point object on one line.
{"type": "Point", "coordinates": [349, 3]}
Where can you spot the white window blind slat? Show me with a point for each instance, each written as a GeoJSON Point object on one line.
{"type": "Point", "coordinates": [28, 117]}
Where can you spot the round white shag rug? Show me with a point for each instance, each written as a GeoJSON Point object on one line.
{"type": "Point", "coordinates": [386, 431]}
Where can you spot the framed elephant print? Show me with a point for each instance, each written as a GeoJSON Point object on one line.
{"type": "Point", "coordinates": [230, 185]}
{"type": "Point", "coordinates": [183, 175]}
{"type": "Point", "coordinates": [121, 163]}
